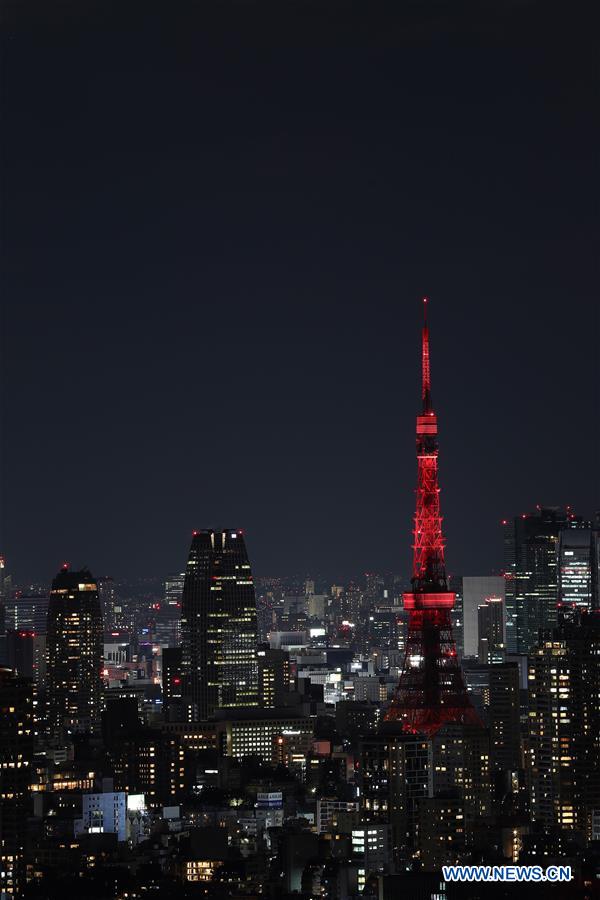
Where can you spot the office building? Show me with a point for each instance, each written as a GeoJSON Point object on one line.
{"type": "Point", "coordinates": [107, 594]}
{"type": "Point", "coordinates": [172, 688]}
{"type": "Point", "coordinates": [564, 726]}
{"type": "Point", "coordinates": [575, 556]}
{"type": "Point", "coordinates": [174, 588]}
{"type": "Point", "coordinates": [477, 589]}
{"type": "Point", "coordinates": [456, 615]}
{"type": "Point", "coordinates": [531, 544]}
{"type": "Point", "coordinates": [27, 612]}
{"type": "Point", "coordinates": [370, 850]}
{"type": "Point", "coordinates": [441, 831]}
{"type": "Point", "coordinates": [218, 624]}
{"type": "Point", "coordinates": [490, 627]}
{"type": "Point", "coordinates": [74, 646]}
{"type": "Point", "coordinates": [256, 732]}
{"type": "Point", "coordinates": [273, 676]}
{"type": "Point", "coordinates": [167, 621]}
{"type": "Point", "coordinates": [104, 813]}
{"type": "Point", "coordinates": [395, 773]}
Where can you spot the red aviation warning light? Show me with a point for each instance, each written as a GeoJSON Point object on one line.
{"type": "Point", "coordinates": [431, 690]}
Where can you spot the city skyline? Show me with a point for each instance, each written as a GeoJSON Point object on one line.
{"type": "Point", "coordinates": [299, 494]}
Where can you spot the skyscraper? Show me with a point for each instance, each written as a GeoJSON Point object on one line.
{"type": "Point", "coordinates": [218, 625]}
{"type": "Point", "coordinates": [490, 626]}
{"type": "Point", "coordinates": [564, 724]}
{"type": "Point", "coordinates": [27, 611]}
{"type": "Point", "coordinates": [171, 684]}
{"type": "Point", "coordinates": [531, 543]}
{"type": "Point", "coordinates": [108, 600]}
{"type": "Point", "coordinates": [174, 588]}
{"type": "Point", "coordinates": [575, 555]}
{"type": "Point", "coordinates": [74, 651]}
{"type": "Point", "coordinates": [477, 589]}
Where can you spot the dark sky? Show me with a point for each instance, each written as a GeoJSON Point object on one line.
{"type": "Point", "coordinates": [218, 222]}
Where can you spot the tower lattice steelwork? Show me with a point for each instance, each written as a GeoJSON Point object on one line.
{"type": "Point", "coordinates": [431, 689]}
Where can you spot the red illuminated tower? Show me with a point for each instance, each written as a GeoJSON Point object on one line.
{"type": "Point", "coordinates": [431, 690]}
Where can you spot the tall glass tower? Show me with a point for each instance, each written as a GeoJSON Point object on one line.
{"type": "Point", "coordinates": [218, 625]}
{"type": "Point", "coordinates": [531, 545]}
{"type": "Point", "coordinates": [74, 652]}
{"type": "Point", "coordinates": [575, 568]}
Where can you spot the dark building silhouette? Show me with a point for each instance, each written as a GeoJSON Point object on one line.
{"type": "Point", "coordinates": [147, 761]}
{"type": "Point", "coordinates": [490, 627]}
{"type": "Point", "coordinates": [108, 601]}
{"type": "Point", "coordinates": [19, 652]}
{"type": "Point", "coordinates": [218, 625]}
{"type": "Point", "coordinates": [495, 689]}
{"type": "Point", "coordinates": [273, 676]}
{"type": "Point", "coordinates": [172, 691]}
{"type": "Point", "coordinates": [74, 652]}
{"type": "Point", "coordinates": [16, 757]}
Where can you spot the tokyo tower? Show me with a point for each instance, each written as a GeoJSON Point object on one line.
{"type": "Point", "coordinates": [431, 690]}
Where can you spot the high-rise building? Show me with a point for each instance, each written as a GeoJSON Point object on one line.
{"type": "Point", "coordinates": [531, 544]}
{"type": "Point", "coordinates": [172, 690]}
{"type": "Point", "coordinates": [74, 646]}
{"type": "Point", "coordinates": [476, 590]}
{"type": "Point", "coordinates": [16, 758]}
{"type": "Point", "coordinates": [495, 689]}
{"type": "Point", "coordinates": [108, 601]}
{"type": "Point", "coordinates": [218, 625]}
{"type": "Point", "coordinates": [564, 723]}
{"type": "Point", "coordinates": [441, 831]}
{"type": "Point", "coordinates": [457, 614]}
{"type": "Point", "coordinates": [490, 627]}
{"type": "Point", "coordinates": [370, 849]}
{"type": "Point", "coordinates": [273, 676]}
{"type": "Point", "coordinates": [27, 612]}
{"type": "Point", "coordinates": [19, 652]}
{"type": "Point", "coordinates": [575, 555]}
{"type": "Point", "coordinates": [174, 588]}
{"type": "Point", "coordinates": [505, 737]}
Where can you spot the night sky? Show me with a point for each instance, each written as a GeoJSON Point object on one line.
{"type": "Point", "coordinates": [218, 223]}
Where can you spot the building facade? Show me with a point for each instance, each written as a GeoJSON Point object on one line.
{"type": "Point", "coordinates": [575, 555]}
{"type": "Point", "coordinates": [74, 647]}
{"type": "Point", "coordinates": [564, 727]}
{"type": "Point", "coordinates": [531, 545]}
{"type": "Point", "coordinates": [218, 625]}
{"type": "Point", "coordinates": [16, 761]}
{"type": "Point", "coordinates": [477, 590]}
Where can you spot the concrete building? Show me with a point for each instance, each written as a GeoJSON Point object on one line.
{"type": "Point", "coordinates": [475, 591]}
